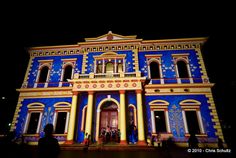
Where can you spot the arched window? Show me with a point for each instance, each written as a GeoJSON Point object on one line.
{"type": "Point", "coordinates": [33, 119]}
{"type": "Point", "coordinates": [155, 71]}
{"type": "Point", "coordinates": [109, 67]}
{"type": "Point", "coordinates": [159, 116]}
{"type": "Point", "coordinates": [67, 73]}
{"type": "Point", "coordinates": [182, 69]}
{"type": "Point", "coordinates": [61, 117]}
{"type": "Point", "coordinates": [120, 67]}
{"type": "Point", "coordinates": [192, 116]}
{"type": "Point", "coordinates": [43, 74]}
{"type": "Point", "coordinates": [83, 122]}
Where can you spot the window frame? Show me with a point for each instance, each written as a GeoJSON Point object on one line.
{"type": "Point", "coordinates": [192, 105]}
{"type": "Point", "coordinates": [62, 107]}
{"type": "Point", "coordinates": [182, 57]}
{"type": "Point", "coordinates": [34, 109]}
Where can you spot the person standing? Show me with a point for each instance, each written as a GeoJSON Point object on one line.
{"type": "Point", "coordinates": [48, 146]}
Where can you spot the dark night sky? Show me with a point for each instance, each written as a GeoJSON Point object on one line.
{"type": "Point", "coordinates": [37, 25]}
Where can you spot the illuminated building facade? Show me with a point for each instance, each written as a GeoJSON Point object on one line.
{"type": "Point", "coordinates": [161, 86]}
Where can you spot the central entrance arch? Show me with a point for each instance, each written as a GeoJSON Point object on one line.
{"type": "Point", "coordinates": [107, 115]}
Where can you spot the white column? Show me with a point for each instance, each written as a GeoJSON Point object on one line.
{"type": "Point", "coordinates": [122, 118]}
{"type": "Point", "coordinates": [153, 122]}
{"type": "Point", "coordinates": [167, 121]}
{"type": "Point", "coordinates": [115, 67]}
{"type": "Point", "coordinates": [141, 136]}
{"type": "Point", "coordinates": [103, 66]}
{"type": "Point", "coordinates": [54, 119]}
{"type": "Point", "coordinates": [62, 75]}
{"type": "Point", "coordinates": [177, 74]}
{"type": "Point", "coordinates": [124, 65]}
{"type": "Point", "coordinates": [95, 66]}
{"type": "Point", "coordinates": [189, 72]}
{"type": "Point", "coordinates": [37, 78]}
{"type": "Point", "coordinates": [39, 123]}
{"type": "Point", "coordinates": [89, 115]}
{"type": "Point", "coordinates": [67, 122]}
{"type": "Point", "coordinates": [98, 124]}
{"type": "Point", "coordinates": [185, 122]}
{"type": "Point", "coordinates": [27, 122]}
{"type": "Point", "coordinates": [70, 134]}
{"type": "Point", "coordinates": [199, 117]}
{"type": "Point", "coordinates": [161, 74]}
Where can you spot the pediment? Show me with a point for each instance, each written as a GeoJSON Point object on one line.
{"type": "Point", "coordinates": [110, 37]}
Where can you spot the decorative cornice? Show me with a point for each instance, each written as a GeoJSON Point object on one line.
{"type": "Point", "coordinates": [186, 85]}
{"type": "Point", "coordinates": [44, 89]}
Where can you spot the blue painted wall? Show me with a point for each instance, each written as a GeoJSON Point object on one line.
{"type": "Point", "coordinates": [55, 73]}
{"type": "Point", "coordinates": [47, 114]}
{"type": "Point", "coordinates": [175, 114]}
{"type": "Point", "coordinates": [168, 68]}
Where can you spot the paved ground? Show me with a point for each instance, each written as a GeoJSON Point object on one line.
{"type": "Point", "coordinates": [79, 151]}
{"type": "Point", "coordinates": [157, 153]}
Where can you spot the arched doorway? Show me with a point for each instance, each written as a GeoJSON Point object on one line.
{"type": "Point", "coordinates": [101, 108]}
{"type": "Point", "coordinates": [109, 120]}
{"type": "Point", "coordinates": [109, 115]}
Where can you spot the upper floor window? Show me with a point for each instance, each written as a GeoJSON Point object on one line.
{"type": "Point", "coordinates": [155, 70]}
{"type": "Point", "coordinates": [33, 119]}
{"type": "Point", "coordinates": [109, 67]}
{"type": "Point", "coordinates": [43, 74]}
{"type": "Point", "coordinates": [67, 73]}
{"type": "Point", "coordinates": [192, 116]}
{"type": "Point", "coordinates": [109, 62]}
{"type": "Point", "coordinates": [99, 67]}
{"type": "Point", "coordinates": [61, 117]}
{"type": "Point", "coordinates": [120, 67]}
{"type": "Point", "coordinates": [67, 69]}
{"type": "Point", "coordinates": [159, 116]}
{"type": "Point", "coordinates": [182, 69]}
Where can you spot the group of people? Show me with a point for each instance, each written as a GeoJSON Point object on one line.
{"type": "Point", "coordinates": [110, 135]}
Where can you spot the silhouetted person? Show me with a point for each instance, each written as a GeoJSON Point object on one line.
{"type": "Point", "coordinates": [48, 146]}
{"type": "Point", "coordinates": [193, 141]}
{"type": "Point", "coordinates": [9, 147]}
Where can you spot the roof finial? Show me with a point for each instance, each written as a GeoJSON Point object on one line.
{"type": "Point", "coordinates": [109, 32]}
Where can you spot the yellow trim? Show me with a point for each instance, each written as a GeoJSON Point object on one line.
{"type": "Point", "coordinates": [187, 85]}
{"type": "Point", "coordinates": [159, 102]}
{"type": "Point", "coordinates": [201, 63]}
{"type": "Point", "coordinates": [44, 89]}
{"type": "Point", "coordinates": [197, 39]}
{"type": "Point", "coordinates": [110, 33]}
{"type": "Point", "coordinates": [193, 102]}
{"type": "Point", "coordinates": [108, 99]}
{"type": "Point", "coordinates": [135, 59]}
{"type": "Point", "coordinates": [16, 114]}
{"type": "Point", "coordinates": [57, 105]}
{"type": "Point", "coordinates": [69, 59]}
{"type": "Point", "coordinates": [35, 103]}
{"type": "Point", "coordinates": [28, 69]}
{"type": "Point", "coordinates": [84, 62]}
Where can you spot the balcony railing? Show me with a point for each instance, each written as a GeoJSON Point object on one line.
{"type": "Point", "coordinates": [109, 75]}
